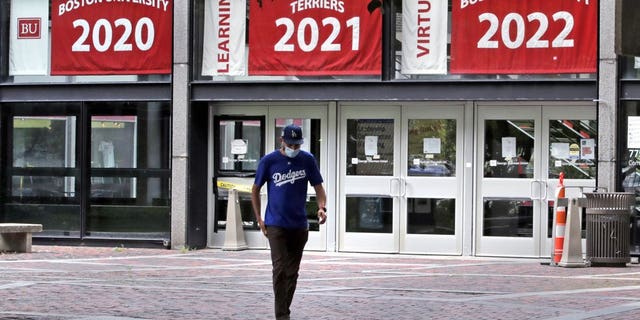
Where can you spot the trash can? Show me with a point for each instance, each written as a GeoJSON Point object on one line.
{"type": "Point", "coordinates": [635, 234]}
{"type": "Point", "coordinates": [608, 233]}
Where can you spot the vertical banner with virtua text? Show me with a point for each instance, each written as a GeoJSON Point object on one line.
{"type": "Point", "coordinates": [92, 37]}
{"type": "Point", "coordinates": [424, 36]}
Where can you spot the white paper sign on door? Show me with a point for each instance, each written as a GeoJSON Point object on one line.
{"type": "Point", "coordinates": [370, 145]}
{"type": "Point", "coordinates": [431, 145]}
{"type": "Point", "coordinates": [508, 147]}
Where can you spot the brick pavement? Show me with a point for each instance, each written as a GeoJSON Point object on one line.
{"type": "Point", "coordinates": [126, 283]}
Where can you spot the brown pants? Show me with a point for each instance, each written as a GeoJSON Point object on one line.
{"type": "Point", "coordinates": [287, 246]}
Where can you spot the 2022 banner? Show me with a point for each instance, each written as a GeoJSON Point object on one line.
{"type": "Point", "coordinates": [524, 36]}
{"type": "Point", "coordinates": [99, 37]}
{"type": "Point", "coordinates": [312, 38]}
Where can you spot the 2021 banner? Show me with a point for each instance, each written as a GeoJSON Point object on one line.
{"type": "Point", "coordinates": [524, 37]}
{"type": "Point", "coordinates": [311, 38]}
{"type": "Point", "coordinates": [91, 37]}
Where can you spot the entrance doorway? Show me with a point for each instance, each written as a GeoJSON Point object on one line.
{"type": "Point", "coordinates": [240, 136]}
{"type": "Point", "coordinates": [522, 151]}
{"type": "Point", "coordinates": [401, 186]}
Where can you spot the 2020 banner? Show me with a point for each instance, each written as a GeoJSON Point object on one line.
{"type": "Point", "coordinates": [525, 36]}
{"type": "Point", "coordinates": [95, 37]}
{"type": "Point", "coordinates": [311, 38]}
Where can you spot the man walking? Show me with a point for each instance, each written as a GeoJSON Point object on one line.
{"type": "Point", "coordinates": [287, 172]}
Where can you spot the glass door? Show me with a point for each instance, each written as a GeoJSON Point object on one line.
{"type": "Point", "coordinates": [571, 134]}
{"type": "Point", "coordinates": [402, 179]}
{"type": "Point", "coordinates": [313, 121]}
{"type": "Point", "coordinates": [524, 150]}
{"type": "Point", "coordinates": [241, 136]}
{"type": "Point", "coordinates": [370, 185]}
{"type": "Point", "coordinates": [510, 193]}
{"type": "Point", "coordinates": [432, 173]}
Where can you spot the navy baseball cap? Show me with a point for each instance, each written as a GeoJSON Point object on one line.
{"type": "Point", "coordinates": [292, 134]}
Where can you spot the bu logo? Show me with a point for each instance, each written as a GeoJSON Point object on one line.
{"type": "Point", "coordinates": [29, 28]}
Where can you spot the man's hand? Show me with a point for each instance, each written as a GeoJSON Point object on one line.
{"type": "Point", "coordinates": [322, 215]}
{"type": "Point", "coordinates": [263, 228]}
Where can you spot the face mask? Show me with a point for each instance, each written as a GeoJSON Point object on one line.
{"type": "Point", "coordinates": [291, 153]}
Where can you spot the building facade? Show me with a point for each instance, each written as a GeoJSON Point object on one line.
{"type": "Point", "coordinates": [441, 127]}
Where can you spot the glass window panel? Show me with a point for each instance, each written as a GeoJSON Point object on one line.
{"type": "Point", "coordinates": [139, 207]}
{"type": "Point", "coordinates": [43, 186]}
{"type": "Point", "coordinates": [113, 141]}
{"type": "Point", "coordinates": [44, 142]}
{"type": "Point", "coordinates": [431, 216]}
{"type": "Point", "coordinates": [240, 144]}
{"type": "Point", "coordinates": [370, 147]}
{"type": "Point", "coordinates": [509, 148]}
{"type": "Point", "coordinates": [572, 148]}
{"type": "Point", "coordinates": [507, 218]}
{"type": "Point", "coordinates": [432, 147]}
{"type": "Point", "coordinates": [369, 214]}
{"type": "Point", "coordinates": [56, 219]}
{"type": "Point", "coordinates": [246, 210]}
{"type": "Point", "coordinates": [130, 135]}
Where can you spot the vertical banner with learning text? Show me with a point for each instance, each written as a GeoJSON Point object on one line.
{"type": "Point", "coordinates": [29, 38]}
{"type": "Point", "coordinates": [224, 47]}
{"type": "Point", "coordinates": [424, 36]}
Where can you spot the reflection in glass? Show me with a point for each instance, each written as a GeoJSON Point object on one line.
{"type": "Point", "coordinates": [240, 144]}
{"type": "Point", "coordinates": [369, 214]}
{"type": "Point", "coordinates": [370, 147]}
{"type": "Point", "coordinates": [44, 142]}
{"type": "Point", "coordinates": [507, 218]}
{"type": "Point", "coordinates": [43, 186]}
{"type": "Point", "coordinates": [139, 207]}
{"type": "Point", "coordinates": [246, 211]}
{"type": "Point", "coordinates": [509, 148]}
{"type": "Point", "coordinates": [113, 141]}
{"type": "Point", "coordinates": [432, 147]}
{"type": "Point", "coordinates": [572, 148]}
{"type": "Point", "coordinates": [431, 216]}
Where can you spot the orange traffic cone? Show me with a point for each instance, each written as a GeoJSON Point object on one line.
{"type": "Point", "coordinates": [561, 221]}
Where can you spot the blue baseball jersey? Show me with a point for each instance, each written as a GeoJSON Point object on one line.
{"type": "Point", "coordinates": [287, 180]}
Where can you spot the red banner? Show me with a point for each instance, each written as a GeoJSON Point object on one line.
{"type": "Point", "coordinates": [525, 36]}
{"type": "Point", "coordinates": [91, 37]}
{"type": "Point", "coordinates": [311, 38]}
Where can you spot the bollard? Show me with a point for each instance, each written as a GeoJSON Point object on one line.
{"type": "Point", "coordinates": [234, 233]}
{"type": "Point", "coordinates": [572, 246]}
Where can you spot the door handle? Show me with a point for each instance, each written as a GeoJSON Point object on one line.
{"type": "Point", "coordinates": [543, 191]}
{"type": "Point", "coordinates": [391, 189]}
{"type": "Point", "coordinates": [532, 188]}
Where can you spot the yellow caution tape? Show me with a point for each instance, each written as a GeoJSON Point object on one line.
{"type": "Point", "coordinates": [231, 185]}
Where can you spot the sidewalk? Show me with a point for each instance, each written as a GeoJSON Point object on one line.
{"type": "Point", "coordinates": [122, 283]}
